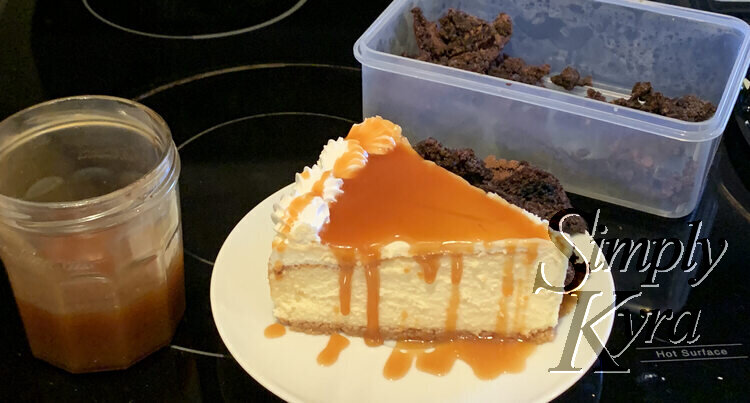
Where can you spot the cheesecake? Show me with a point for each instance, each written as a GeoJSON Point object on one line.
{"type": "Point", "coordinates": [375, 241]}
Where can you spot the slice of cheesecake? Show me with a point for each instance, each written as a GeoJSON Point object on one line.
{"type": "Point", "coordinates": [375, 241]}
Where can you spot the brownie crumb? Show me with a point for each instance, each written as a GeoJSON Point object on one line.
{"type": "Point", "coordinates": [516, 69]}
{"type": "Point", "coordinates": [532, 189]}
{"type": "Point", "coordinates": [594, 94]}
{"type": "Point", "coordinates": [518, 182]}
{"type": "Point", "coordinates": [462, 162]}
{"type": "Point", "coordinates": [428, 39]}
{"type": "Point", "coordinates": [569, 78]}
{"type": "Point", "coordinates": [689, 108]}
{"type": "Point", "coordinates": [462, 40]}
{"type": "Point", "coordinates": [470, 43]}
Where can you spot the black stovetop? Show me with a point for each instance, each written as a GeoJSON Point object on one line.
{"type": "Point", "coordinates": [250, 101]}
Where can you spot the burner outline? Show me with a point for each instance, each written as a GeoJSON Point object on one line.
{"type": "Point", "coordinates": [236, 69]}
{"type": "Point", "coordinates": [242, 119]}
{"type": "Point", "coordinates": [229, 70]}
{"type": "Point", "coordinates": [255, 27]}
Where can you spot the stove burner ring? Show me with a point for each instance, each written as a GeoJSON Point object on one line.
{"type": "Point", "coordinates": [242, 119]}
{"type": "Point", "coordinates": [251, 28]}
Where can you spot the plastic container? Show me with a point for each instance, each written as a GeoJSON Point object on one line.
{"type": "Point", "coordinates": [620, 155]}
{"type": "Point", "coordinates": [90, 230]}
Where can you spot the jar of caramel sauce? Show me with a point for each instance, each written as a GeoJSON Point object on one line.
{"type": "Point", "coordinates": [90, 230]}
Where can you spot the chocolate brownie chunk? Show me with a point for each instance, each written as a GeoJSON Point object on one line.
{"type": "Point", "coordinates": [431, 46]}
{"type": "Point", "coordinates": [594, 94]}
{"type": "Point", "coordinates": [516, 69]}
{"type": "Point", "coordinates": [518, 182]}
{"type": "Point", "coordinates": [532, 189]}
{"type": "Point", "coordinates": [462, 162]}
{"type": "Point", "coordinates": [569, 78]}
{"type": "Point", "coordinates": [462, 40]}
{"type": "Point", "coordinates": [689, 108]}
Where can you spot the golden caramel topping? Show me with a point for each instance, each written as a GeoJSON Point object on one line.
{"type": "Point", "coordinates": [400, 196]}
{"type": "Point", "coordinates": [488, 359]}
{"type": "Point", "coordinates": [354, 159]}
{"type": "Point", "coordinates": [300, 202]}
{"type": "Point", "coordinates": [451, 316]}
{"type": "Point", "coordinates": [376, 135]}
{"type": "Point", "coordinates": [330, 354]}
{"type": "Point", "coordinates": [275, 330]}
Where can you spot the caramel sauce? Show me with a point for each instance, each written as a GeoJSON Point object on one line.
{"type": "Point", "coordinates": [400, 196]}
{"type": "Point", "coordinates": [376, 135]}
{"type": "Point", "coordinates": [487, 358]}
{"type": "Point", "coordinates": [330, 354]}
{"type": "Point", "coordinates": [300, 202]}
{"type": "Point", "coordinates": [95, 340]}
{"type": "Point", "coordinates": [279, 244]}
{"type": "Point", "coordinates": [276, 270]}
{"type": "Point", "coordinates": [399, 362]}
{"type": "Point", "coordinates": [372, 277]}
{"type": "Point", "coordinates": [430, 265]}
{"type": "Point", "coordinates": [352, 161]}
{"type": "Point", "coordinates": [451, 316]}
{"type": "Point", "coordinates": [274, 331]}
{"type": "Point", "coordinates": [347, 261]}
{"type": "Point", "coordinates": [523, 299]}
{"type": "Point", "coordinates": [532, 253]}
{"type": "Point", "coordinates": [507, 290]}
{"type": "Point", "coordinates": [521, 303]}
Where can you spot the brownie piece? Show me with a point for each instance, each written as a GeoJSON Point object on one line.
{"type": "Point", "coordinates": [594, 94]}
{"type": "Point", "coordinates": [431, 46]}
{"type": "Point", "coordinates": [518, 182]}
{"type": "Point", "coordinates": [532, 189]}
{"type": "Point", "coordinates": [462, 40]}
{"type": "Point", "coordinates": [569, 78]}
{"type": "Point", "coordinates": [516, 69]}
{"type": "Point", "coordinates": [462, 162]}
{"type": "Point", "coordinates": [689, 108]}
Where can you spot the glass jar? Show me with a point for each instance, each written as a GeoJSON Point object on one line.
{"type": "Point", "coordinates": [90, 231]}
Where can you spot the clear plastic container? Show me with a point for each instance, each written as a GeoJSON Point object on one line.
{"type": "Point", "coordinates": [90, 231]}
{"type": "Point", "coordinates": [620, 155]}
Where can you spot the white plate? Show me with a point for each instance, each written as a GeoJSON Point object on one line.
{"type": "Point", "coordinates": [287, 366]}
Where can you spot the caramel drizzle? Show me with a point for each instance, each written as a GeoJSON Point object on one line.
{"type": "Point", "coordinates": [275, 330]}
{"type": "Point", "coordinates": [376, 135]}
{"type": "Point", "coordinates": [399, 362]}
{"type": "Point", "coordinates": [451, 316]}
{"type": "Point", "coordinates": [487, 358]}
{"type": "Point", "coordinates": [372, 334]}
{"type": "Point", "coordinates": [277, 270]}
{"type": "Point", "coordinates": [501, 326]}
{"type": "Point", "coordinates": [522, 301]}
{"type": "Point", "coordinates": [330, 354]}
{"type": "Point", "coordinates": [430, 265]}
{"type": "Point", "coordinates": [347, 261]}
{"type": "Point", "coordinates": [279, 244]}
{"type": "Point", "coordinates": [354, 159]}
{"type": "Point", "coordinates": [299, 203]}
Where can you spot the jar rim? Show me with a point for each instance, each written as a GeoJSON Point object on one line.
{"type": "Point", "coordinates": [158, 180]}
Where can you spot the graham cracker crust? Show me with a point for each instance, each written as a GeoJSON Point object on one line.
{"type": "Point", "coordinates": [390, 333]}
